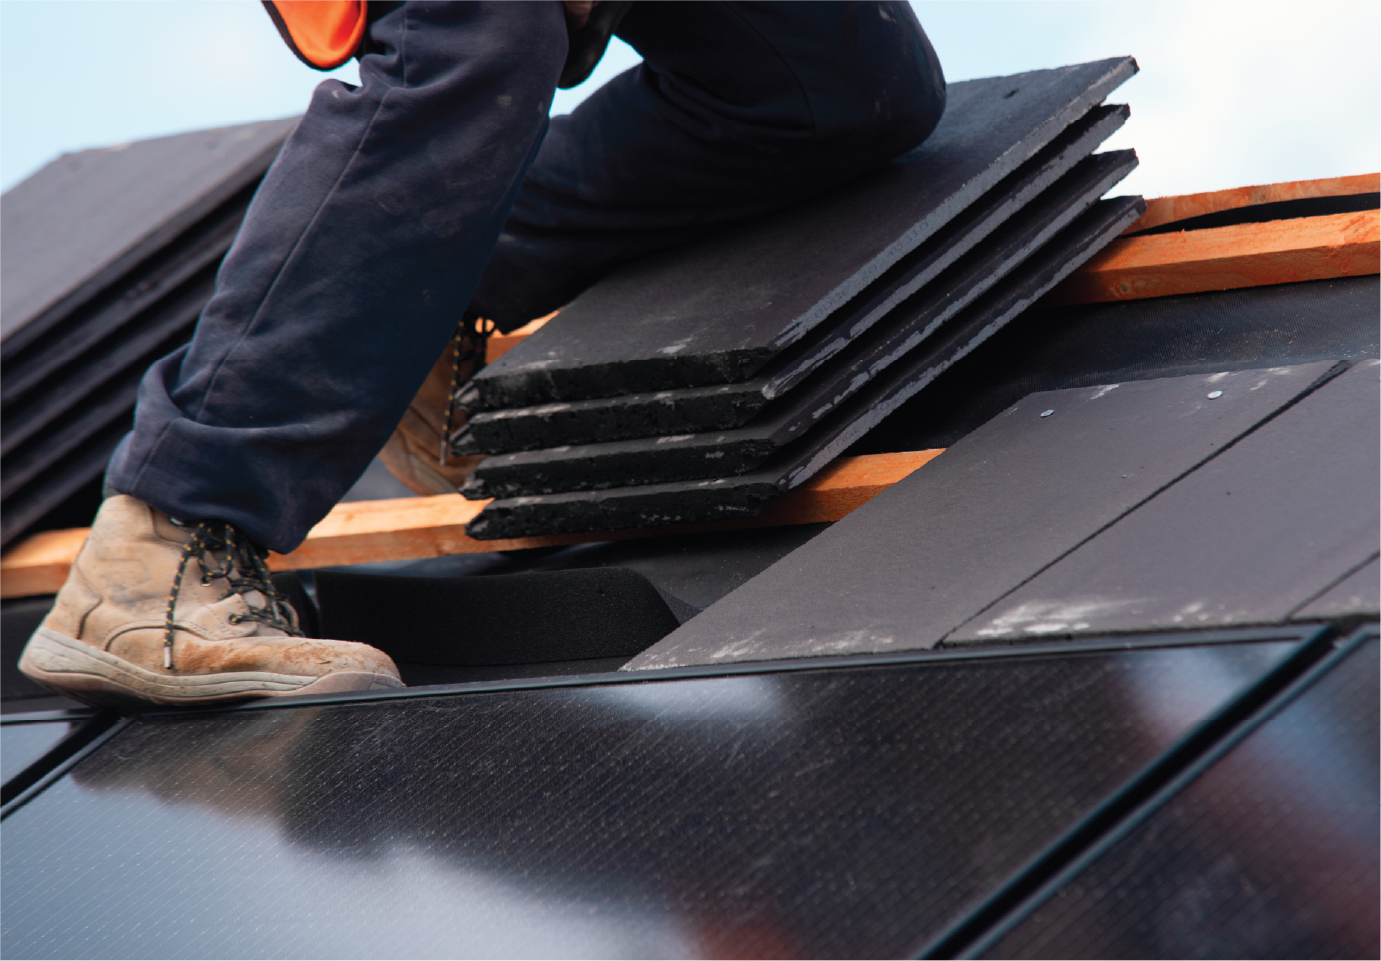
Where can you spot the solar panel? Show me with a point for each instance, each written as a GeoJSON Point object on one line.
{"type": "Point", "coordinates": [23, 744]}
{"type": "Point", "coordinates": [1270, 852]}
{"type": "Point", "coordinates": [853, 811]}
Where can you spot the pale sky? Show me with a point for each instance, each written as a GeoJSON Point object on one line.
{"type": "Point", "coordinates": [1229, 93]}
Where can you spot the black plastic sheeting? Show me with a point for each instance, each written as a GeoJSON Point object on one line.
{"type": "Point", "coordinates": [1270, 852]}
{"type": "Point", "coordinates": [846, 812]}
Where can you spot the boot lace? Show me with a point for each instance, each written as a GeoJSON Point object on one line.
{"type": "Point", "coordinates": [468, 344]}
{"type": "Point", "coordinates": [244, 571]}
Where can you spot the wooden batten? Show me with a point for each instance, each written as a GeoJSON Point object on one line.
{"type": "Point", "coordinates": [1227, 258]}
{"type": "Point", "coordinates": [499, 344]}
{"type": "Point", "coordinates": [1164, 210]}
{"type": "Point", "coordinates": [410, 528]}
{"type": "Point", "coordinates": [38, 564]}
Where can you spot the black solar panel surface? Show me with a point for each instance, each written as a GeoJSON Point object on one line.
{"type": "Point", "coordinates": [847, 812]}
{"type": "Point", "coordinates": [1270, 853]}
{"type": "Point", "coordinates": [23, 744]}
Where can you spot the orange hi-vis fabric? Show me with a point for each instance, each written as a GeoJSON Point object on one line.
{"type": "Point", "coordinates": [323, 33]}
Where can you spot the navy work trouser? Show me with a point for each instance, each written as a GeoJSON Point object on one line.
{"type": "Point", "coordinates": [436, 184]}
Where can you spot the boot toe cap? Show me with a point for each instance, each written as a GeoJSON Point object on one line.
{"type": "Point", "coordinates": [323, 657]}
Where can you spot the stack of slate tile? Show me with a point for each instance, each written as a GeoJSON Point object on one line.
{"type": "Point", "coordinates": [109, 256]}
{"type": "Point", "coordinates": [700, 384]}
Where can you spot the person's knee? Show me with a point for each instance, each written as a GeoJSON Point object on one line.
{"type": "Point", "coordinates": [918, 88]}
{"type": "Point", "coordinates": [891, 93]}
{"type": "Point", "coordinates": [423, 44]}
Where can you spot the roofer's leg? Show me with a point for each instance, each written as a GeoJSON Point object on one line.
{"type": "Point", "coordinates": [737, 109]}
{"type": "Point", "coordinates": [351, 271]}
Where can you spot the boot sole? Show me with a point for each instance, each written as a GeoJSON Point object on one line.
{"type": "Point", "coordinates": [68, 666]}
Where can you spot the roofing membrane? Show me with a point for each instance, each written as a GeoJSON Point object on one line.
{"type": "Point", "coordinates": [527, 618]}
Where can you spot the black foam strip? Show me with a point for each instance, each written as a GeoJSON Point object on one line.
{"type": "Point", "coordinates": [496, 619]}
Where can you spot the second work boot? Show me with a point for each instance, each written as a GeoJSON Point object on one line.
{"type": "Point", "coordinates": [418, 453]}
{"type": "Point", "coordinates": [155, 611]}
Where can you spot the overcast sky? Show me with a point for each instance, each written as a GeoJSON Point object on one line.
{"type": "Point", "coordinates": [1229, 93]}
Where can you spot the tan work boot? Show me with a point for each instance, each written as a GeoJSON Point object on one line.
{"type": "Point", "coordinates": [157, 611]}
{"type": "Point", "coordinates": [418, 453]}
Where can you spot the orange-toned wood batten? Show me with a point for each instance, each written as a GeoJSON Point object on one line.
{"type": "Point", "coordinates": [499, 344]}
{"type": "Point", "coordinates": [1226, 258]}
{"type": "Point", "coordinates": [1196, 261]}
{"type": "Point", "coordinates": [415, 527]}
{"type": "Point", "coordinates": [1164, 210]}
